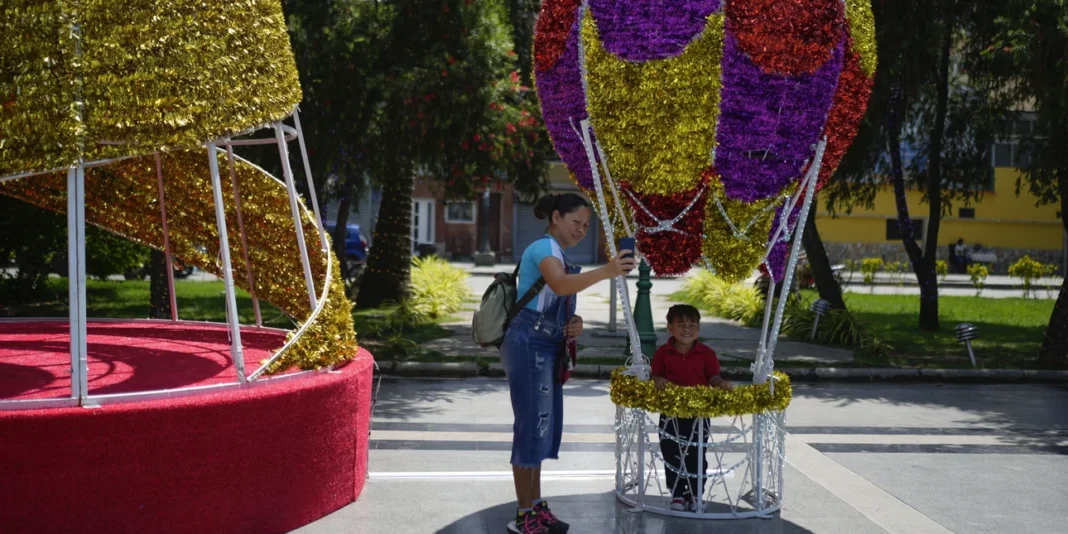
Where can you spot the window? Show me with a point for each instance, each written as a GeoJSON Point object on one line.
{"type": "Point", "coordinates": [893, 233]}
{"type": "Point", "coordinates": [1010, 152]}
{"type": "Point", "coordinates": [460, 212]}
{"type": "Point", "coordinates": [967, 213]}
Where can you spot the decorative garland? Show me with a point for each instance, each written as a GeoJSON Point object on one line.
{"type": "Point", "coordinates": [124, 198]}
{"type": "Point", "coordinates": [745, 87]}
{"type": "Point", "coordinates": [145, 82]}
{"type": "Point", "coordinates": [700, 401]}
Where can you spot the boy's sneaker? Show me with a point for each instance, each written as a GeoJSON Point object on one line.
{"type": "Point", "coordinates": [554, 525]}
{"type": "Point", "coordinates": [678, 504]}
{"type": "Point", "coordinates": [528, 523]}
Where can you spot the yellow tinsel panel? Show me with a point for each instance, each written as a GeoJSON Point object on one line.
{"type": "Point", "coordinates": [862, 29]}
{"type": "Point", "coordinates": [124, 198]}
{"type": "Point", "coordinates": [151, 75]}
{"type": "Point", "coordinates": [733, 257]}
{"type": "Point", "coordinates": [700, 401]}
{"type": "Point", "coordinates": [656, 120]}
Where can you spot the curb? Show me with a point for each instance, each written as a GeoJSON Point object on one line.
{"type": "Point", "coordinates": [815, 374]}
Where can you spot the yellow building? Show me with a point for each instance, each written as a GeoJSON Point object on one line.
{"type": "Point", "coordinates": [1009, 225]}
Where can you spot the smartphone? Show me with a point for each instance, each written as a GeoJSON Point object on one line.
{"type": "Point", "coordinates": [628, 243]}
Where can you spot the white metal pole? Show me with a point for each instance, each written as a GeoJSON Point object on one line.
{"type": "Point", "coordinates": [311, 183]}
{"type": "Point", "coordinates": [287, 171]}
{"type": "Point", "coordinates": [166, 239]}
{"type": "Point", "coordinates": [642, 437]}
{"type": "Point", "coordinates": [236, 351]}
{"type": "Point", "coordinates": [700, 441]}
{"type": "Point", "coordinates": [244, 240]}
{"type": "Point", "coordinates": [76, 281]}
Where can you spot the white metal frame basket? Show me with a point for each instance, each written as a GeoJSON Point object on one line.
{"type": "Point", "coordinates": [744, 478]}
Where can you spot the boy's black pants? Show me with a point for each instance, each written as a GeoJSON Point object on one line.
{"type": "Point", "coordinates": [680, 458]}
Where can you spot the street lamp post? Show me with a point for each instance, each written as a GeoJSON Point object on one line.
{"type": "Point", "coordinates": [484, 257]}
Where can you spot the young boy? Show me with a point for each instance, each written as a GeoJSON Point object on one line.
{"type": "Point", "coordinates": [686, 362]}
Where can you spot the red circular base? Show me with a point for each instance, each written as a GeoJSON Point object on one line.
{"type": "Point", "coordinates": [263, 459]}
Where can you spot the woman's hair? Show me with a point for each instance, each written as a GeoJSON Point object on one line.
{"type": "Point", "coordinates": [564, 203]}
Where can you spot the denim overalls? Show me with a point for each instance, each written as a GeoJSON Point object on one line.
{"type": "Point", "coordinates": [532, 345]}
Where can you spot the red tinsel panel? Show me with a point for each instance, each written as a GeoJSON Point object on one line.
{"type": "Point", "coordinates": [552, 29]}
{"type": "Point", "coordinates": [788, 37]}
{"type": "Point", "coordinates": [670, 253]}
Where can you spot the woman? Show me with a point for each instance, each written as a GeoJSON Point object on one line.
{"type": "Point", "coordinates": [535, 341]}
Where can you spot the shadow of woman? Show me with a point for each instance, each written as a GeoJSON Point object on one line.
{"type": "Point", "coordinates": [603, 514]}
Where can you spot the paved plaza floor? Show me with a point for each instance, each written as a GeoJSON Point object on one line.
{"type": "Point", "coordinates": [861, 458]}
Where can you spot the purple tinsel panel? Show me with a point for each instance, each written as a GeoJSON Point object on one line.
{"type": "Point", "coordinates": [643, 30]}
{"type": "Point", "coordinates": [768, 123]}
{"type": "Point", "coordinates": [562, 102]}
{"type": "Point", "coordinates": [777, 257]}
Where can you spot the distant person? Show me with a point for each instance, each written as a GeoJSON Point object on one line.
{"type": "Point", "coordinates": [534, 346]}
{"type": "Point", "coordinates": [686, 362]}
{"type": "Point", "coordinates": [958, 257]}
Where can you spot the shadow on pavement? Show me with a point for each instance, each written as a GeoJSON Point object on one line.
{"type": "Point", "coordinates": [602, 514]}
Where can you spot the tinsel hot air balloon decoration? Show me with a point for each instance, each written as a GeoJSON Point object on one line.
{"type": "Point", "coordinates": [704, 116]}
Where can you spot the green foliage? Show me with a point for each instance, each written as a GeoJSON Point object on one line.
{"type": "Point", "coordinates": [107, 254]}
{"type": "Point", "coordinates": [739, 302]}
{"type": "Point", "coordinates": [941, 269]}
{"type": "Point", "coordinates": [852, 266]}
{"type": "Point", "coordinates": [1029, 270]}
{"type": "Point", "coordinates": [836, 327]}
{"type": "Point", "coordinates": [438, 288]}
{"type": "Point", "coordinates": [33, 239]}
{"type": "Point", "coordinates": [869, 267]}
{"type": "Point", "coordinates": [978, 273]}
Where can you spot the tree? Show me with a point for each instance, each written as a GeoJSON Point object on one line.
{"type": "Point", "coordinates": [923, 100]}
{"type": "Point", "coordinates": [406, 89]}
{"type": "Point", "coordinates": [826, 284]}
{"type": "Point", "coordinates": [1027, 59]}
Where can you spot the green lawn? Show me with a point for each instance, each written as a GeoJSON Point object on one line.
{"type": "Point", "coordinates": [197, 301]}
{"type": "Point", "coordinates": [1010, 330]}
{"type": "Point", "coordinates": [205, 301]}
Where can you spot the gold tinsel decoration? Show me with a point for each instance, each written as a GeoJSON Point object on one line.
{"type": "Point", "coordinates": [124, 198]}
{"type": "Point", "coordinates": [734, 258]}
{"type": "Point", "coordinates": [628, 103]}
{"type": "Point", "coordinates": [99, 79]}
{"type": "Point", "coordinates": [862, 29]}
{"type": "Point", "coordinates": [700, 401]}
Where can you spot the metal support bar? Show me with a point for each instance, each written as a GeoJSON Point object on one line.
{"type": "Point", "coordinates": [166, 239]}
{"type": "Point", "coordinates": [612, 305]}
{"type": "Point", "coordinates": [311, 182]}
{"type": "Point", "coordinates": [244, 241]}
{"type": "Point", "coordinates": [287, 171]}
{"type": "Point", "coordinates": [236, 352]}
{"type": "Point", "coordinates": [79, 379]}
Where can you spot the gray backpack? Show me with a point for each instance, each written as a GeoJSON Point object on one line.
{"type": "Point", "coordinates": [499, 307]}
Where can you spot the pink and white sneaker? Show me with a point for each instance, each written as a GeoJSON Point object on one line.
{"type": "Point", "coordinates": [528, 523]}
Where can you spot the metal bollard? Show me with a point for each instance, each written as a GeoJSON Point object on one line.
{"type": "Point", "coordinates": [966, 332]}
{"type": "Point", "coordinates": [819, 308]}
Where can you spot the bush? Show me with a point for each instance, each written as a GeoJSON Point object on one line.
{"type": "Point", "coordinates": [739, 302]}
{"type": "Point", "coordinates": [870, 266]}
{"type": "Point", "coordinates": [107, 254]}
{"type": "Point", "coordinates": [1029, 270]}
{"type": "Point", "coordinates": [941, 269]}
{"type": "Point", "coordinates": [836, 327]}
{"type": "Point", "coordinates": [438, 288]}
{"type": "Point", "coordinates": [978, 272]}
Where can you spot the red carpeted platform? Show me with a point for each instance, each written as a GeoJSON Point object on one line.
{"type": "Point", "coordinates": [268, 458]}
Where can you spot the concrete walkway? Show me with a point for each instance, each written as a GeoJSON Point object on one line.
{"type": "Point", "coordinates": [731, 340]}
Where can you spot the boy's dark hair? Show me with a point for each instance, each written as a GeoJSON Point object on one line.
{"type": "Point", "coordinates": [683, 311]}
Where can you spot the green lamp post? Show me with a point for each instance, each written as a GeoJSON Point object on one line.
{"type": "Point", "coordinates": [643, 312]}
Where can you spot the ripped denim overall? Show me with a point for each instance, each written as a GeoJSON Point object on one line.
{"type": "Point", "coordinates": [532, 345]}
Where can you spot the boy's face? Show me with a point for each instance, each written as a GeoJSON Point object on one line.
{"type": "Point", "coordinates": [685, 329]}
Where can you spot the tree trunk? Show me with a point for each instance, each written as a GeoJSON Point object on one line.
{"type": "Point", "coordinates": [1054, 351]}
{"type": "Point", "coordinates": [925, 269]}
{"type": "Point", "coordinates": [159, 290]}
{"type": "Point", "coordinates": [348, 188]}
{"type": "Point", "coordinates": [386, 277]}
{"type": "Point", "coordinates": [826, 284]}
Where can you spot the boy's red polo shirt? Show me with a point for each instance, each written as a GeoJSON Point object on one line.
{"type": "Point", "coordinates": [695, 368]}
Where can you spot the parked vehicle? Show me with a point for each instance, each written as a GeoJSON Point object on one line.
{"type": "Point", "coordinates": [356, 248]}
